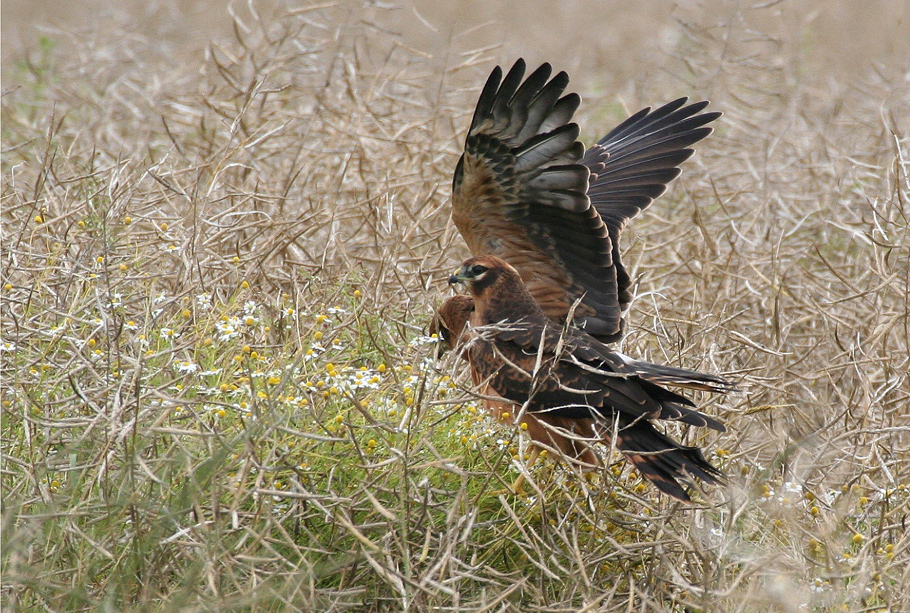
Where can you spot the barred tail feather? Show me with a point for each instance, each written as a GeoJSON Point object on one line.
{"type": "Point", "coordinates": [663, 461]}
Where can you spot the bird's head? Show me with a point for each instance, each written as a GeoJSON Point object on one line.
{"type": "Point", "coordinates": [482, 272]}
{"type": "Point", "coordinates": [450, 321]}
{"type": "Point", "coordinates": [497, 291]}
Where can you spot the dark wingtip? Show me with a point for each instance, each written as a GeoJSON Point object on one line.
{"type": "Point", "coordinates": [487, 97]}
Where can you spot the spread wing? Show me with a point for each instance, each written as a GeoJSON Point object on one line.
{"type": "Point", "coordinates": [574, 387]}
{"type": "Point", "coordinates": [525, 190]}
{"type": "Point", "coordinates": [632, 166]}
{"type": "Point", "coordinates": [519, 192]}
{"type": "Point", "coordinates": [576, 372]}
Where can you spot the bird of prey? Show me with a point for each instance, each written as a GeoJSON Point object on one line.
{"type": "Point", "coordinates": [526, 190]}
{"type": "Point", "coordinates": [571, 438]}
{"type": "Point", "coordinates": [561, 371]}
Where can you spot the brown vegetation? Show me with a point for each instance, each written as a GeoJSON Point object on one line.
{"type": "Point", "coordinates": [202, 247]}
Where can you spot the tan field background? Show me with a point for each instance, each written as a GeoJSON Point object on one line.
{"type": "Point", "coordinates": [215, 215]}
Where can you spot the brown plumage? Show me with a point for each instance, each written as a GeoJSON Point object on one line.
{"type": "Point", "coordinates": [520, 354]}
{"type": "Point", "coordinates": [546, 431]}
{"type": "Point", "coordinates": [525, 190]}
{"type": "Point", "coordinates": [450, 321]}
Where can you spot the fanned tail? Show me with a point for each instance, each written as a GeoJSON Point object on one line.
{"type": "Point", "coordinates": [663, 461]}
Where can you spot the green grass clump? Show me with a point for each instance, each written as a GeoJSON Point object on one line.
{"type": "Point", "coordinates": [253, 432]}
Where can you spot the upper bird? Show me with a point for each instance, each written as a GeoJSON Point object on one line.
{"type": "Point", "coordinates": [526, 191]}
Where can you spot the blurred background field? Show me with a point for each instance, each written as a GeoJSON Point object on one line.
{"type": "Point", "coordinates": [225, 227]}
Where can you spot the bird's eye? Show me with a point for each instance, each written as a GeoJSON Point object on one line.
{"type": "Point", "coordinates": [478, 270]}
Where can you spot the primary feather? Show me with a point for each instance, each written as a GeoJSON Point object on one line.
{"type": "Point", "coordinates": [527, 191]}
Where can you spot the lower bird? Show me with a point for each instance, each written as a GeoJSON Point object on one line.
{"type": "Point", "coordinates": [572, 439]}
{"type": "Point", "coordinates": [565, 374]}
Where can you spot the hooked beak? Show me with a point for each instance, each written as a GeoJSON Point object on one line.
{"type": "Point", "coordinates": [459, 276]}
